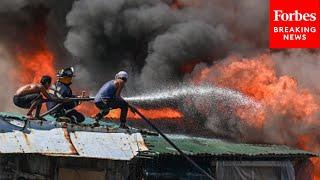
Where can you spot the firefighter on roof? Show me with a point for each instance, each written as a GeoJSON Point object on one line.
{"type": "Point", "coordinates": [63, 90]}
{"type": "Point", "coordinates": [109, 97]}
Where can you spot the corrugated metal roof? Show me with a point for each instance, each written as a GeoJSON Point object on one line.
{"type": "Point", "coordinates": [216, 147]}
{"type": "Point", "coordinates": [61, 139]}
{"type": "Point", "coordinates": [109, 142]}
{"type": "Point", "coordinates": [116, 146]}
{"type": "Point", "coordinates": [35, 141]}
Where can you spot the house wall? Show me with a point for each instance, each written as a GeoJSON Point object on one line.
{"type": "Point", "coordinates": [29, 166]}
{"type": "Point", "coordinates": [175, 167]}
{"type": "Point", "coordinates": [14, 166]}
{"type": "Point", "coordinates": [172, 167]}
{"type": "Point", "coordinates": [243, 170]}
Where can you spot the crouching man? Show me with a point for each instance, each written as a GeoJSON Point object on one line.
{"type": "Point", "coordinates": [62, 90]}
{"type": "Point", "coordinates": [32, 95]}
{"type": "Point", "coordinates": [109, 97]}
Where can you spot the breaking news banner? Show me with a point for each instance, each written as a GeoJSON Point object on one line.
{"type": "Point", "coordinates": [294, 23]}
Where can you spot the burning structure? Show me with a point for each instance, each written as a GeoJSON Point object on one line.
{"type": "Point", "coordinates": [51, 150]}
{"type": "Point", "coordinates": [202, 64]}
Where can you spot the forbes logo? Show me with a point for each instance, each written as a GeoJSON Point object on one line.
{"type": "Point", "coordinates": [279, 15]}
{"type": "Point", "coordinates": [294, 24]}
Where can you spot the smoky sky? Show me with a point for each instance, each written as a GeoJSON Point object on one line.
{"type": "Point", "coordinates": [45, 19]}
{"type": "Point", "coordinates": [25, 26]}
{"type": "Point", "coordinates": [152, 40]}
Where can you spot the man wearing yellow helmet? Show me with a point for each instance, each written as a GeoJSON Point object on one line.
{"type": "Point", "coordinates": [63, 90]}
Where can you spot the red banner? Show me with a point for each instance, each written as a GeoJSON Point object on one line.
{"type": "Point", "coordinates": [294, 23]}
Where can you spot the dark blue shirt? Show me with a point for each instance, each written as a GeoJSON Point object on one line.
{"type": "Point", "coordinates": [60, 90]}
{"type": "Point", "coordinates": [107, 91]}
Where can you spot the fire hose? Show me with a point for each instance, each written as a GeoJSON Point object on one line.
{"type": "Point", "coordinates": [60, 103]}
{"type": "Point", "coordinates": [171, 143]}
{"type": "Point", "coordinates": [150, 124]}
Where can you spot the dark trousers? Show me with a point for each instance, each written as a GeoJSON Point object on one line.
{"type": "Point", "coordinates": [26, 101]}
{"type": "Point", "coordinates": [75, 116]}
{"type": "Point", "coordinates": [114, 103]}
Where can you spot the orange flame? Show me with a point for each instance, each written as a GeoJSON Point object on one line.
{"type": "Point", "coordinates": [316, 171]}
{"type": "Point", "coordinates": [188, 67]}
{"type": "Point", "coordinates": [35, 65]}
{"type": "Point", "coordinates": [154, 114]}
{"type": "Point", "coordinates": [33, 56]}
{"type": "Point", "coordinates": [290, 109]}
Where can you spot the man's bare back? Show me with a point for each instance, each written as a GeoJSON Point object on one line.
{"type": "Point", "coordinates": [30, 96]}
{"type": "Point", "coordinates": [30, 89]}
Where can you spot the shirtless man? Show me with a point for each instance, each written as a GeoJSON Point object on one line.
{"type": "Point", "coordinates": [31, 95]}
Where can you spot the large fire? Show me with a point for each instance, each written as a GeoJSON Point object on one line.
{"type": "Point", "coordinates": [289, 110]}
{"type": "Point", "coordinates": [39, 60]}
{"type": "Point", "coordinates": [35, 65]}
{"type": "Point", "coordinates": [154, 114]}
{"type": "Point", "coordinates": [36, 59]}
{"type": "Point", "coordinates": [288, 107]}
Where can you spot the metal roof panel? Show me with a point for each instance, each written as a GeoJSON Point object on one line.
{"type": "Point", "coordinates": [109, 142]}
{"type": "Point", "coordinates": [116, 146]}
{"type": "Point", "coordinates": [218, 147]}
{"type": "Point", "coordinates": [61, 139]}
{"type": "Point", "coordinates": [36, 141]}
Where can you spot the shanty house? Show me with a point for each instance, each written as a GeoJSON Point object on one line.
{"type": "Point", "coordinates": [61, 151]}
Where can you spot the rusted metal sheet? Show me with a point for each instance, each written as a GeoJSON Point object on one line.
{"type": "Point", "coordinates": [10, 122]}
{"type": "Point", "coordinates": [61, 139]}
{"type": "Point", "coordinates": [35, 141]}
{"type": "Point", "coordinates": [116, 146]}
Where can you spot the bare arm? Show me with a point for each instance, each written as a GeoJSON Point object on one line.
{"type": "Point", "coordinates": [119, 85]}
{"type": "Point", "coordinates": [45, 93]}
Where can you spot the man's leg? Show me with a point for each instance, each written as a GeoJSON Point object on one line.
{"type": "Point", "coordinates": [75, 116]}
{"type": "Point", "coordinates": [31, 109]}
{"type": "Point", "coordinates": [27, 102]}
{"type": "Point", "coordinates": [123, 105]}
{"type": "Point", "coordinates": [36, 104]}
{"type": "Point", "coordinates": [23, 101]}
{"type": "Point", "coordinates": [124, 111]}
{"type": "Point", "coordinates": [104, 110]}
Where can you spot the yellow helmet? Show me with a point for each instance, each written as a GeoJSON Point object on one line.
{"type": "Point", "coordinates": [65, 75]}
{"type": "Point", "coordinates": [67, 72]}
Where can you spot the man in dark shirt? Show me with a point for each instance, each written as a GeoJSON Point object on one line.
{"type": "Point", "coordinates": [109, 97]}
{"type": "Point", "coordinates": [63, 90]}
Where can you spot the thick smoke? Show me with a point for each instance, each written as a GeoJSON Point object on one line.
{"type": "Point", "coordinates": [28, 26]}
{"type": "Point", "coordinates": [153, 39]}
{"type": "Point", "coordinates": [288, 111]}
{"type": "Point", "coordinates": [12, 5]}
{"type": "Point", "coordinates": [7, 81]}
{"type": "Point", "coordinates": [301, 64]}
{"type": "Point", "coordinates": [12, 22]}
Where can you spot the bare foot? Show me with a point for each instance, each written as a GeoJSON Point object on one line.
{"type": "Point", "coordinates": [30, 117]}
{"type": "Point", "coordinates": [98, 117]}
{"type": "Point", "coordinates": [40, 118]}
